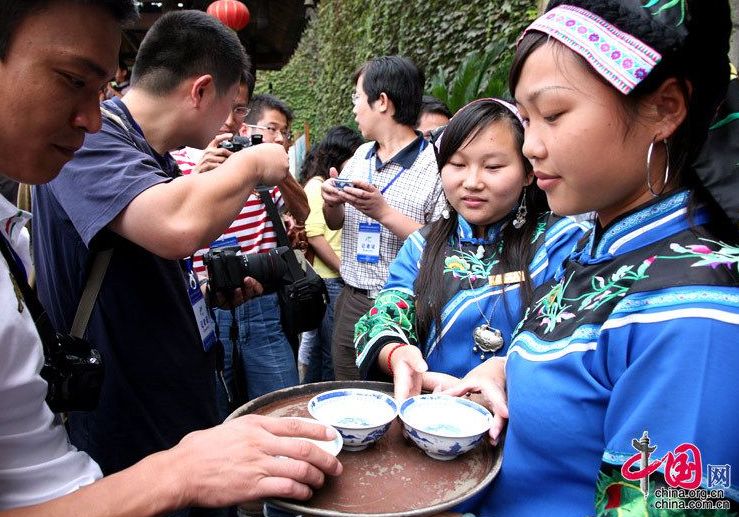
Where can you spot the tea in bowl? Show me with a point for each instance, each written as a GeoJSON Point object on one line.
{"type": "Point", "coordinates": [361, 416]}
{"type": "Point", "coordinates": [442, 426]}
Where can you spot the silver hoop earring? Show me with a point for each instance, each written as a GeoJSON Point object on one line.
{"type": "Point", "coordinates": [521, 213]}
{"type": "Point", "coordinates": [649, 169]}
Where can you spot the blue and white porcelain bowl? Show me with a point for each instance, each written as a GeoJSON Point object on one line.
{"type": "Point", "coordinates": [330, 446]}
{"type": "Point", "coordinates": [443, 426]}
{"type": "Point", "coordinates": [361, 416]}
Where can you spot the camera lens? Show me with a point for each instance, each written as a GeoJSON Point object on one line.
{"type": "Point", "coordinates": [266, 268]}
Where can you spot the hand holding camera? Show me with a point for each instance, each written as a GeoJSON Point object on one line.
{"type": "Point", "coordinates": [330, 189]}
{"type": "Point", "coordinates": [227, 268]}
{"type": "Point", "coordinates": [214, 154]}
{"type": "Point", "coordinates": [249, 289]}
{"type": "Point", "coordinates": [366, 198]}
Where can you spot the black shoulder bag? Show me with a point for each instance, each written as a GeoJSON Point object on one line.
{"type": "Point", "coordinates": [303, 301]}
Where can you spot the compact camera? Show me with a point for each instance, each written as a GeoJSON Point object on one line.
{"type": "Point", "coordinates": [341, 183]}
{"type": "Point", "coordinates": [74, 371]}
{"type": "Point", "coordinates": [238, 143]}
{"type": "Point", "coordinates": [227, 268]}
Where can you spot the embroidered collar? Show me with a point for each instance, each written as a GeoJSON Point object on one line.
{"type": "Point", "coordinates": [466, 235]}
{"type": "Point", "coordinates": [642, 226]}
{"type": "Point", "coordinates": [406, 157]}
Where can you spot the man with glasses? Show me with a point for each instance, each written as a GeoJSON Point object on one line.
{"type": "Point", "coordinates": [395, 189]}
{"type": "Point", "coordinates": [270, 117]}
{"type": "Point", "coordinates": [49, 82]}
{"type": "Point", "coordinates": [191, 159]}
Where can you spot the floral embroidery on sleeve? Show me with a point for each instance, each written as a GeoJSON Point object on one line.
{"type": "Point", "coordinates": [553, 307]}
{"type": "Point", "coordinates": [726, 255]}
{"type": "Point", "coordinates": [606, 290]}
{"type": "Point", "coordinates": [394, 313]}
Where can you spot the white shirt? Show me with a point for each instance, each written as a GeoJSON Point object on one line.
{"type": "Point", "coordinates": [37, 462]}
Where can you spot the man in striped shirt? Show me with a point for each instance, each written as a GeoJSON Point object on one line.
{"type": "Point", "coordinates": [266, 357]}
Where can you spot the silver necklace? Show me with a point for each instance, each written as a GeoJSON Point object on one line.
{"type": "Point", "coordinates": [487, 338]}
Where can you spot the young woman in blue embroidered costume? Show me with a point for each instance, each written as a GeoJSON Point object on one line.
{"type": "Point", "coordinates": [475, 268]}
{"type": "Point", "coordinates": [635, 338]}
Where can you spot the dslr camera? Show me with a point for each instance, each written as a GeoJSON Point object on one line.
{"type": "Point", "coordinates": [238, 143]}
{"type": "Point", "coordinates": [74, 371]}
{"type": "Point", "coordinates": [227, 268]}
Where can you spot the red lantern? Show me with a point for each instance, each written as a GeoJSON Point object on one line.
{"type": "Point", "coordinates": [231, 13]}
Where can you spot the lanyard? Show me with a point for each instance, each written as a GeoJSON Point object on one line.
{"type": "Point", "coordinates": [9, 252]}
{"type": "Point", "coordinates": [402, 170]}
{"type": "Point", "coordinates": [43, 324]}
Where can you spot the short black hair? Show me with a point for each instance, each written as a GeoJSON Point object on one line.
{"type": "Point", "coordinates": [263, 102]}
{"type": "Point", "coordinates": [430, 104]}
{"type": "Point", "coordinates": [400, 79]}
{"type": "Point", "coordinates": [337, 146]}
{"type": "Point", "coordinates": [13, 13]}
{"type": "Point", "coordinates": [250, 81]}
{"type": "Point", "coordinates": [185, 44]}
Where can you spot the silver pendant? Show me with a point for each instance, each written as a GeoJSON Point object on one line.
{"type": "Point", "coordinates": [487, 339]}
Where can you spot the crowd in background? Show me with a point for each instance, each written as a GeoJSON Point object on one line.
{"type": "Point", "coordinates": [569, 258]}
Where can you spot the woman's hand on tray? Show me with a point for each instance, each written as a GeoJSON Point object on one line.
{"type": "Point", "coordinates": [486, 383]}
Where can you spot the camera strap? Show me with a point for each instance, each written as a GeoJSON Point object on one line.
{"type": "Point", "coordinates": [90, 292]}
{"type": "Point", "coordinates": [38, 314]}
{"type": "Point", "coordinates": [282, 240]}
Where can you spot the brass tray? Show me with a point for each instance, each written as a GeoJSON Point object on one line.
{"type": "Point", "coordinates": [393, 478]}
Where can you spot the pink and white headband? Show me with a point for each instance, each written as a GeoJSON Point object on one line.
{"type": "Point", "coordinates": [618, 57]}
{"type": "Point", "coordinates": [503, 103]}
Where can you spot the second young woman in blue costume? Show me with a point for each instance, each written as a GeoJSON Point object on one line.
{"type": "Point", "coordinates": [457, 287]}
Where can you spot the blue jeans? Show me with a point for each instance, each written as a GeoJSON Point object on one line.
{"type": "Point", "coordinates": [267, 359]}
{"type": "Point", "coordinates": [316, 345]}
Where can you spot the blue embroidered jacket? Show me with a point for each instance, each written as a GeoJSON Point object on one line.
{"type": "Point", "coordinates": [638, 331]}
{"type": "Point", "coordinates": [469, 262]}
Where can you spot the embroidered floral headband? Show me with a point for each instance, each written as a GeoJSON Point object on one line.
{"type": "Point", "coordinates": [621, 59]}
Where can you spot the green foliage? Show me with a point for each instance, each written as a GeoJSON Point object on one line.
{"type": "Point", "coordinates": [438, 35]}
{"type": "Point", "coordinates": [480, 74]}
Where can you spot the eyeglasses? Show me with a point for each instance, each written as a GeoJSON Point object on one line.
{"type": "Point", "coordinates": [240, 112]}
{"type": "Point", "coordinates": [355, 98]}
{"type": "Point", "coordinates": [286, 133]}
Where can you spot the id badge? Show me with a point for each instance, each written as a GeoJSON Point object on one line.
{"type": "Point", "coordinates": [206, 327]}
{"type": "Point", "coordinates": [368, 243]}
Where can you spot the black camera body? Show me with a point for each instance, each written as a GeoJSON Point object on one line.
{"type": "Point", "coordinates": [238, 143]}
{"type": "Point", "coordinates": [227, 268]}
{"type": "Point", "coordinates": [74, 372]}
